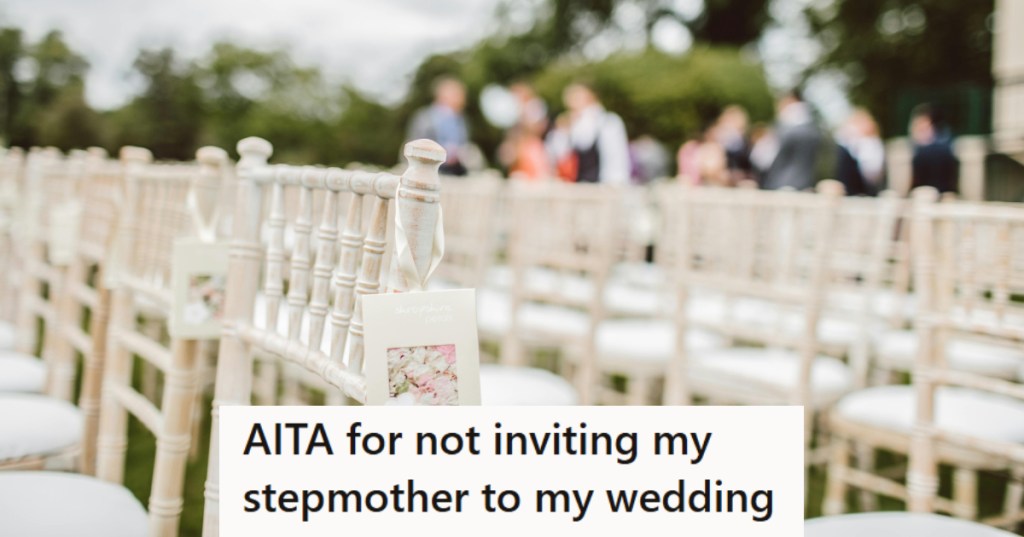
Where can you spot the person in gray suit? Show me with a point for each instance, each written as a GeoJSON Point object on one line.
{"type": "Point", "coordinates": [798, 142]}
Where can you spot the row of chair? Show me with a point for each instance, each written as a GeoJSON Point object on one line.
{"type": "Point", "coordinates": [769, 298]}
{"type": "Point", "coordinates": [108, 299]}
{"type": "Point", "coordinates": [753, 298]}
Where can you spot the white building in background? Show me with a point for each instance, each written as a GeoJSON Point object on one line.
{"type": "Point", "coordinates": [1008, 68]}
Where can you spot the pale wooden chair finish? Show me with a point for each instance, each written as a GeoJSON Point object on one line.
{"type": "Point", "coordinates": [325, 286]}
{"type": "Point", "coordinates": [970, 273]}
{"type": "Point", "coordinates": [568, 230]}
{"type": "Point", "coordinates": [156, 213]}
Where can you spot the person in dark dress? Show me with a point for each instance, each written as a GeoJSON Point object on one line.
{"type": "Point", "coordinates": [934, 163]}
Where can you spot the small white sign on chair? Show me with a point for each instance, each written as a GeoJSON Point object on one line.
{"type": "Point", "coordinates": [198, 280]}
{"type": "Point", "coordinates": [422, 348]}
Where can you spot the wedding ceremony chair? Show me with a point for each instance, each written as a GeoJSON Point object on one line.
{"type": "Point", "coordinates": [47, 181]}
{"type": "Point", "coordinates": [967, 276]}
{"type": "Point", "coordinates": [471, 207]}
{"type": "Point", "coordinates": [12, 163]}
{"type": "Point", "coordinates": [564, 231]}
{"type": "Point", "coordinates": [322, 329]}
{"type": "Point", "coordinates": [773, 247]}
{"type": "Point", "coordinates": [39, 426]}
{"type": "Point", "coordinates": [894, 350]}
{"type": "Point", "coordinates": [155, 212]}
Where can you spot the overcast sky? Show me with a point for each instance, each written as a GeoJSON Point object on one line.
{"type": "Point", "coordinates": [374, 44]}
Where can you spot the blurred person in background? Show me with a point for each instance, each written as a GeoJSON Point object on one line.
{"type": "Point", "coordinates": [860, 158]}
{"type": "Point", "coordinates": [650, 159]}
{"type": "Point", "coordinates": [590, 139]}
{"type": "Point", "coordinates": [730, 131]}
{"type": "Point", "coordinates": [704, 161]}
{"type": "Point", "coordinates": [444, 123]}
{"type": "Point", "coordinates": [798, 142]}
{"type": "Point", "coordinates": [523, 151]}
{"type": "Point", "coordinates": [934, 163]}
{"type": "Point", "coordinates": [763, 148]}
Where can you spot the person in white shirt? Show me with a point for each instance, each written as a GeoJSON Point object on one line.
{"type": "Point", "coordinates": [597, 139]}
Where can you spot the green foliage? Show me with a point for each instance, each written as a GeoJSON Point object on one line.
{"type": "Point", "coordinates": [669, 97]}
{"type": "Point", "coordinates": [888, 47]}
{"type": "Point", "coordinates": [235, 91]}
{"type": "Point", "coordinates": [167, 116]}
{"type": "Point", "coordinates": [69, 122]}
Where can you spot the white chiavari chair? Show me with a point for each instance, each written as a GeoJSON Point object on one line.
{"type": "Point", "coordinates": [968, 277]}
{"type": "Point", "coordinates": [895, 350]}
{"type": "Point", "coordinates": [318, 324]}
{"type": "Point", "coordinates": [34, 427]}
{"type": "Point", "coordinates": [471, 232]}
{"type": "Point", "coordinates": [154, 214]}
{"type": "Point", "coordinates": [46, 181]}
{"type": "Point", "coordinates": [770, 247]}
{"type": "Point", "coordinates": [471, 207]}
{"type": "Point", "coordinates": [12, 164]}
{"type": "Point", "coordinates": [565, 232]}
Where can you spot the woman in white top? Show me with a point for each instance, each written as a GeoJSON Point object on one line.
{"type": "Point", "coordinates": [596, 139]}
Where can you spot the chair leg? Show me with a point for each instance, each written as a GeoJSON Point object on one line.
{"type": "Point", "coordinates": [150, 375]}
{"type": "Point", "coordinates": [1014, 497]}
{"type": "Point", "coordinates": [638, 390]}
{"type": "Point", "coordinates": [866, 463]}
{"type": "Point", "coordinates": [835, 479]}
{"type": "Point", "coordinates": [965, 493]}
{"type": "Point", "coordinates": [204, 371]}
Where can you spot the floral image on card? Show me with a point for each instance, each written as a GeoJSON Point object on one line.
{"type": "Point", "coordinates": [204, 300]}
{"type": "Point", "coordinates": [424, 375]}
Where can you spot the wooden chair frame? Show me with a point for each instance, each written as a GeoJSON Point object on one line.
{"type": "Point", "coordinates": [327, 283]}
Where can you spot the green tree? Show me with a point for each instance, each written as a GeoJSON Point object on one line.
{"type": "Point", "coordinates": [669, 97]}
{"type": "Point", "coordinates": [47, 68]}
{"type": "Point", "coordinates": [11, 52]}
{"type": "Point", "coordinates": [886, 47]}
{"type": "Point", "coordinates": [166, 116]}
{"type": "Point", "coordinates": [69, 122]}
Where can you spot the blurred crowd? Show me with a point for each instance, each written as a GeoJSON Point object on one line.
{"type": "Point", "coordinates": [588, 143]}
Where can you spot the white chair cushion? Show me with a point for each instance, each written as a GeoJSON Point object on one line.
{"type": "Point", "coordinates": [494, 317]}
{"type": "Point", "coordinates": [957, 410]}
{"type": "Point", "coordinates": [777, 370]}
{"type": "Point", "coordinates": [54, 504]}
{"type": "Point", "coordinates": [629, 301]}
{"type": "Point", "coordinates": [620, 297]}
{"type": "Point", "coordinates": [632, 340]}
{"type": "Point", "coordinates": [897, 349]}
{"type": "Point", "coordinates": [20, 373]}
{"type": "Point", "coordinates": [8, 336]}
{"type": "Point", "coordinates": [523, 386]}
{"type": "Point", "coordinates": [33, 425]}
{"type": "Point", "coordinates": [897, 524]}
{"type": "Point", "coordinates": [886, 303]}
{"type": "Point", "coordinates": [646, 275]}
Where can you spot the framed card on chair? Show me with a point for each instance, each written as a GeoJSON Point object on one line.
{"type": "Point", "coordinates": [198, 280]}
{"type": "Point", "coordinates": [422, 348]}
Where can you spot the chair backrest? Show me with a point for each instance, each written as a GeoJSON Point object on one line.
{"type": "Point", "coordinates": [471, 207]}
{"type": "Point", "coordinates": [323, 285]}
{"type": "Point", "coordinates": [156, 212]}
{"type": "Point", "coordinates": [859, 270]}
{"type": "Point", "coordinates": [12, 165]}
{"type": "Point", "coordinates": [769, 248]}
{"type": "Point", "coordinates": [561, 247]}
{"type": "Point", "coordinates": [50, 181]}
{"type": "Point", "coordinates": [83, 297]}
{"type": "Point", "coordinates": [969, 278]}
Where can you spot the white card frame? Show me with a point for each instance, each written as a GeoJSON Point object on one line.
{"type": "Point", "coordinates": [421, 319]}
{"type": "Point", "coordinates": [193, 257]}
